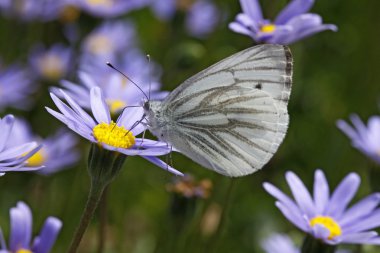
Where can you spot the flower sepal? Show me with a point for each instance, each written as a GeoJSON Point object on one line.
{"type": "Point", "coordinates": [103, 164]}
{"type": "Point", "coordinates": [313, 245]}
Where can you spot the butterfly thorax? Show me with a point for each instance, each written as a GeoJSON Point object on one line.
{"type": "Point", "coordinates": [157, 120]}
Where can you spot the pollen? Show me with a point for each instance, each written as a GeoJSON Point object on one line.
{"type": "Point", "coordinates": [113, 135]}
{"type": "Point", "coordinates": [23, 251]}
{"type": "Point", "coordinates": [37, 159]}
{"type": "Point", "coordinates": [329, 223]}
{"type": "Point", "coordinates": [268, 28]}
{"type": "Point", "coordinates": [116, 105]}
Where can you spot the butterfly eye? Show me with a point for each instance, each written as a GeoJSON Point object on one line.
{"type": "Point", "coordinates": [146, 106]}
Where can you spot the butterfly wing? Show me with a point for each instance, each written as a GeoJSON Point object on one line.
{"type": "Point", "coordinates": [232, 117]}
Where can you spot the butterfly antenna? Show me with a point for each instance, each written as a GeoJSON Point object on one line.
{"type": "Point", "coordinates": [112, 67]}
{"type": "Point", "coordinates": [150, 75]}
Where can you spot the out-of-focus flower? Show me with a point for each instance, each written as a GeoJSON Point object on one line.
{"type": "Point", "coordinates": [118, 91]}
{"type": "Point", "coordinates": [51, 64]}
{"type": "Point", "coordinates": [279, 243]}
{"type": "Point", "coordinates": [108, 41]}
{"type": "Point", "coordinates": [14, 158]}
{"type": "Point", "coordinates": [327, 217]}
{"type": "Point", "coordinates": [118, 137]}
{"type": "Point", "coordinates": [21, 232]}
{"type": "Point", "coordinates": [110, 8]}
{"type": "Point", "coordinates": [292, 24]}
{"type": "Point", "coordinates": [202, 18]}
{"type": "Point", "coordinates": [16, 87]}
{"type": "Point", "coordinates": [164, 9]}
{"type": "Point", "coordinates": [31, 10]}
{"type": "Point", "coordinates": [365, 139]}
{"type": "Point", "coordinates": [57, 151]}
{"type": "Point", "coordinates": [187, 187]}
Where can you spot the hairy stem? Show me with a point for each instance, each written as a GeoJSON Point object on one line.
{"type": "Point", "coordinates": [94, 196]}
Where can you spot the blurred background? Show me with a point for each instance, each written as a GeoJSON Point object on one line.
{"type": "Point", "coordinates": [335, 74]}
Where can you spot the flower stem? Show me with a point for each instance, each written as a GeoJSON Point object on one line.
{"type": "Point", "coordinates": [94, 196]}
{"type": "Point", "coordinates": [314, 245]}
{"type": "Point", "coordinates": [102, 221]}
{"type": "Point", "coordinates": [223, 219]}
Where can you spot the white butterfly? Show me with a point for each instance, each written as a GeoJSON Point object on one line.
{"type": "Point", "coordinates": [232, 116]}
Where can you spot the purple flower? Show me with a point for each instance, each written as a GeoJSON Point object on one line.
{"type": "Point", "coordinates": [108, 41]}
{"type": "Point", "coordinates": [117, 137]}
{"type": "Point", "coordinates": [292, 24]}
{"type": "Point", "coordinates": [21, 232]}
{"type": "Point", "coordinates": [110, 8]}
{"type": "Point", "coordinates": [365, 139]}
{"type": "Point", "coordinates": [16, 86]}
{"type": "Point", "coordinates": [279, 243]}
{"type": "Point", "coordinates": [30, 10]}
{"type": "Point", "coordinates": [326, 216]}
{"type": "Point", "coordinates": [164, 9]}
{"type": "Point", "coordinates": [51, 64]}
{"type": "Point", "coordinates": [118, 91]}
{"type": "Point", "coordinates": [57, 152]}
{"type": "Point", "coordinates": [202, 18]}
{"type": "Point", "coordinates": [14, 158]}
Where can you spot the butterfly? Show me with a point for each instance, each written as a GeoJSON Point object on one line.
{"type": "Point", "coordinates": [232, 116]}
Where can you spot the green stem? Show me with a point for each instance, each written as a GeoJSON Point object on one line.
{"type": "Point", "coordinates": [102, 221]}
{"type": "Point", "coordinates": [94, 196]}
{"type": "Point", "coordinates": [216, 238]}
{"type": "Point", "coordinates": [314, 245]}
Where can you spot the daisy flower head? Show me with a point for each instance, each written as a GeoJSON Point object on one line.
{"type": "Point", "coordinates": [51, 64]}
{"type": "Point", "coordinates": [21, 232]}
{"type": "Point", "coordinates": [292, 24]}
{"type": "Point", "coordinates": [118, 91]}
{"type": "Point", "coordinates": [364, 138]}
{"type": "Point", "coordinates": [327, 217]}
{"type": "Point", "coordinates": [202, 18]}
{"type": "Point", "coordinates": [282, 243]}
{"type": "Point", "coordinates": [119, 136]}
{"type": "Point", "coordinates": [110, 8]}
{"type": "Point", "coordinates": [16, 87]}
{"type": "Point", "coordinates": [14, 158]}
{"type": "Point", "coordinates": [57, 151]}
{"type": "Point", "coordinates": [108, 40]}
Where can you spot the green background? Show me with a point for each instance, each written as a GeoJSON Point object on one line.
{"type": "Point", "coordinates": [335, 74]}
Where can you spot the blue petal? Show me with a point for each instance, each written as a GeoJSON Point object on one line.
{"type": "Point", "coordinates": [45, 241]}
{"type": "Point", "coordinates": [163, 165]}
{"type": "Point", "coordinates": [21, 227]}
{"type": "Point", "coordinates": [252, 9]}
{"type": "Point", "coordinates": [294, 8]}
{"type": "Point", "coordinates": [99, 106]}
{"type": "Point", "coordinates": [6, 125]}
{"type": "Point", "coordinates": [301, 194]}
{"type": "Point", "coordinates": [342, 195]}
{"type": "Point", "coordinates": [321, 191]}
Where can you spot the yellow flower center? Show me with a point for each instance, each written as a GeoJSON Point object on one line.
{"type": "Point", "coordinates": [99, 44]}
{"type": "Point", "coordinates": [51, 67]}
{"type": "Point", "coordinates": [99, 3]}
{"type": "Point", "coordinates": [113, 135]}
{"type": "Point", "coordinates": [37, 159]}
{"type": "Point", "coordinates": [329, 223]}
{"type": "Point", "coordinates": [24, 251]}
{"type": "Point", "coordinates": [269, 28]}
{"type": "Point", "coordinates": [69, 14]}
{"type": "Point", "coordinates": [116, 105]}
